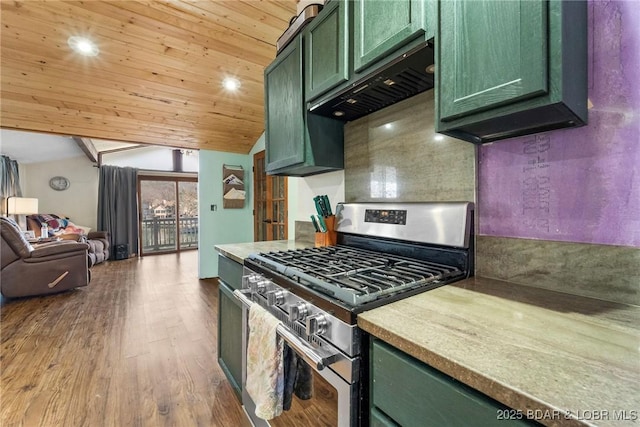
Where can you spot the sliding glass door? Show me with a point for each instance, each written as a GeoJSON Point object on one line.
{"type": "Point", "coordinates": [168, 214]}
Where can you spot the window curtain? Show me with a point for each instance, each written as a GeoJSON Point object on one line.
{"type": "Point", "coordinates": [9, 181]}
{"type": "Point", "coordinates": [118, 206]}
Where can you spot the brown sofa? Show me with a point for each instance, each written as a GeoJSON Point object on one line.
{"type": "Point", "coordinates": [98, 241]}
{"type": "Point", "coordinates": [44, 269]}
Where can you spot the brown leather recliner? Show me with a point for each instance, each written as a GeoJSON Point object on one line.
{"type": "Point", "coordinates": [48, 268]}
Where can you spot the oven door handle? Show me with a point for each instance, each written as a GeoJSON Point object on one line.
{"type": "Point", "coordinates": [316, 357]}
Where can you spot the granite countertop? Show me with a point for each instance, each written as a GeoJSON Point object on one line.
{"type": "Point", "coordinates": [239, 251]}
{"type": "Point", "coordinates": [569, 358]}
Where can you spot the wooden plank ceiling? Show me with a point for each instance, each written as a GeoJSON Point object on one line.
{"type": "Point", "coordinates": [157, 79]}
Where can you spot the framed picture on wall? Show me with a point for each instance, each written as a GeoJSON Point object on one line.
{"type": "Point", "coordinates": [233, 188]}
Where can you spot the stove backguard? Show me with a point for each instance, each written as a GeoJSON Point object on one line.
{"type": "Point", "coordinates": [446, 224]}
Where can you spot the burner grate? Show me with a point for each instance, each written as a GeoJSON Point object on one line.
{"type": "Point", "coordinates": [354, 275]}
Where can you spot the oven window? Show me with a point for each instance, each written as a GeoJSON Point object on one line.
{"type": "Point", "coordinates": [320, 410]}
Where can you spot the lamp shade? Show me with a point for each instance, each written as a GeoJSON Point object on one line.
{"type": "Point", "coordinates": [22, 206]}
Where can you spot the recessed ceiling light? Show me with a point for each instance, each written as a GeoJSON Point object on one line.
{"type": "Point", "coordinates": [231, 84]}
{"type": "Point", "coordinates": [83, 46]}
{"type": "Point", "coordinates": [438, 138]}
{"type": "Point", "coordinates": [388, 126]}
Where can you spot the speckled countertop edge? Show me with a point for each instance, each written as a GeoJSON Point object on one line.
{"type": "Point", "coordinates": [531, 349]}
{"type": "Point", "coordinates": [239, 251]}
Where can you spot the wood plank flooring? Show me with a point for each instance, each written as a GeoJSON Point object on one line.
{"type": "Point", "coordinates": [137, 347]}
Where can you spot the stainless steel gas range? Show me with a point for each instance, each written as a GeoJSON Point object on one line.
{"type": "Point", "coordinates": [385, 252]}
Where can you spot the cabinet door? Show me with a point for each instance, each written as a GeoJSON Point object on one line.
{"type": "Point", "coordinates": [382, 26]}
{"type": "Point", "coordinates": [326, 60]}
{"type": "Point", "coordinates": [230, 336]}
{"type": "Point", "coordinates": [413, 394]}
{"type": "Point", "coordinates": [284, 109]}
{"type": "Point", "coordinates": [491, 53]}
{"type": "Point", "coordinates": [230, 272]}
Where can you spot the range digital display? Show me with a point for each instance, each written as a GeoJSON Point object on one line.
{"type": "Point", "coordinates": [386, 216]}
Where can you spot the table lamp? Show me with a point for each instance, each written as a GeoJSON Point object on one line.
{"type": "Point", "coordinates": [21, 206]}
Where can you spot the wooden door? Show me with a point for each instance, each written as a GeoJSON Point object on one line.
{"type": "Point", "coordinates": [269, 203]}
{"type": "Point", "coordinates": [284, 109]}
{"type": "Point", "coordinates": [326, 59]}
{"type": "Point", "coordinates": [382, 26]}
{"type": "Point", "coordinates": [491, 53]}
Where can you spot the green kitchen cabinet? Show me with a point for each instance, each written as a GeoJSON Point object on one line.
{"type": "Point", "coordinates": [507, 68]}
{"type": "Point", "coordinates": [327, 52]}
{"type": "Point", "coordinates": [230, 322]}
{"type": "Point", "coordinates": [284, 109]}
{"type": "Point", "coordinates": [406, 392]}
{"type": "Point", "coordinates": [381, 27]}
{"type": "Point", "coordinates": [297, 143]}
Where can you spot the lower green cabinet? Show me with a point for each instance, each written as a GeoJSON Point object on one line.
{"type": "Point", "coordinates": [230, 322]}
{"type": "Point", "coordinates": [230, 337]}
{"type": "Point", "coordinates": [378, 419]}
{"type": "Point", "coordinates": [406, 392]}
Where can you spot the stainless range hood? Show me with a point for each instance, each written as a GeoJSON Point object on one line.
{"type": "Point", "coordinates": [398, 79]}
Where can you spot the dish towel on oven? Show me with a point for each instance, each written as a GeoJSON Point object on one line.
{"type": "Point", "coordinates": [265, 377]}
{"type": "Point", "coordinates": [298, 378]}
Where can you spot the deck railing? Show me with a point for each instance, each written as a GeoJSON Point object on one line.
{"type": "Point", "coordinates": [159, 234]}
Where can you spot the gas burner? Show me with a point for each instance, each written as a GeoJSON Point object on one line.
{"type": "Point", "coordinates": [356, 276]}
{"type": "Point", "coordinates": [385, 252]}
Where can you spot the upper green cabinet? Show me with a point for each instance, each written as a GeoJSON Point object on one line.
{"type": "Point", "coordinates": [507, 68]}
{"type": "Point", "coordinates": [296, 143]}
{"type": "Point", "coordinates": [326, 59]}
{"type": "Point", "coordinates": [382, 26]}
{"type": "Point", "coordinates": [517, 42]}
{"type": "Point", "coordinates": [284, 109]}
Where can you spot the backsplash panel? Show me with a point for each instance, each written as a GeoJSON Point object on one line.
{"type": "Point", "coordinates": [577, 185]}
{"type": "Point", "coordinates": [394, 155]}
{"type": "Point", "coordinates": [605, 272]}
{"type": "Point", "coordinates": [305, 232]}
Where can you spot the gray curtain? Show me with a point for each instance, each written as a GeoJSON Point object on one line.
{"type": "Point", "coordinates": [9, 181]}
{"type": "Point", "coordinates": [118, 206]}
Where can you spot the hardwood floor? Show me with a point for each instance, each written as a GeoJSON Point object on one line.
{"type": "Point", "coordinates": [137, 347]}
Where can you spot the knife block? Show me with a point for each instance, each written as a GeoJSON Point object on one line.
{"type": "Point", "coordinates": [330, 238]}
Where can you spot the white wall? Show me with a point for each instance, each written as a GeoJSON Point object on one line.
{"type": "Point", "coordinates": [222, 225]}
{"type": "Point", "coordinates": [301, 192]}
{"type": "Point", "coordinates": [301, 205]}
{"type": "Point", "coordinates": [153, 158]}
{"type": "Point", "coordinates": [79, 202]}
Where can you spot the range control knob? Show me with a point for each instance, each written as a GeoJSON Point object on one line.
{"type": "Point", "coordinates": [249, 279]}
{"type": "Point", "coordinates": [298, 311]}
{"type": "Point", "coordinates": [275, 297]}
{"type": "Point", "coordinates": [316, 324]}
{"type": "Point", "coordinates": [259, 286]}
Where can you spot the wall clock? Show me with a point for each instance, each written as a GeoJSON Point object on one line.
{"type": "Point", "coordinates": [59, 183]}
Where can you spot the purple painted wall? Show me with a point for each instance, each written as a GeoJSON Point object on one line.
{"type": "Point", "coordinates": [577, 185]}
